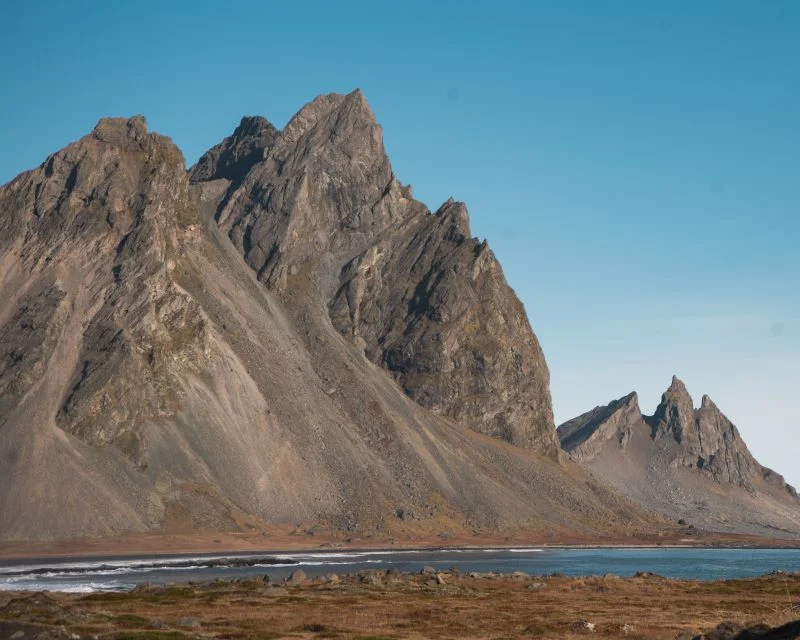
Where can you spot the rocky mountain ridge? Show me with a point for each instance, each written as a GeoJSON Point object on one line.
{"type": "Point", "coordinates": [283, 335]}
{"type": "Point", "coordinates": [680, 460]}
{"type": "Point", "coordinates": [221, 348]}
{"type": "Point", "coordinates": [320, 210]}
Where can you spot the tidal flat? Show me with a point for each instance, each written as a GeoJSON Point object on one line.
{"type": "Point", "coordinates": [389, 604]}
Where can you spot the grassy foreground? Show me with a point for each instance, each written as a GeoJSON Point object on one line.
{"type": "Point", "coordinates": [377, 604]}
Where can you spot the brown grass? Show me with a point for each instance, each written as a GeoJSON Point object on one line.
{"type": "Point", "coordinates": [409, 606]}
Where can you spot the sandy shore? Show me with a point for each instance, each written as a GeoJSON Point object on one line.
{"type": "Point", "coordinates": [148, 544]}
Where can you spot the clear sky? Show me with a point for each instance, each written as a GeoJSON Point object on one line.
{"type": "Point", "coordinates": [634, 165]}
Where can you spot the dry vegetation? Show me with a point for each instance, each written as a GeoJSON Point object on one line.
{"type": "Point", "coordinates": [379, 605]}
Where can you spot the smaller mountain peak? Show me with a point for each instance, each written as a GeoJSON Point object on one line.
{"type": "Point", "coordinates": [675, 413]}
{"type": "Point", "coordinates": [346, 110]}
{"type": "Point", "coordinates": [677, 384]}
{"type": "Point", "coordinates": [357, 101]}
{"type": "Point", "coordinates": [455, 212]}
{"type": "Point", "coordinates": [707, 403]}
{"type": "Point", "coordinates": [632, 399]}
{"type": "Point", "coordinates": [253, 126]}
{"type": "Point", "coordinates": [238, 153]}
{"type": "Point", "coordinates": [356, 94]}
{"type": "Point", "coordinates": [583, 437]}
{"type": "Point", "coordinates": [677, 393]}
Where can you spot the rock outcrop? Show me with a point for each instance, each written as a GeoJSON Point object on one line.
{"type": "Point", "coordinates": [585, 435]}
{"type": "Point", "coordinates": [185, 352]}
{"type": "Point", "coordinates": [232, 158]}
{"type": "Point", "coordinates": [689, 463]}
{"type": "Point", "coordinates": [708, 440]}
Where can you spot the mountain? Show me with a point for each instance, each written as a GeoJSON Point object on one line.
{"type": "Point", "coordinates": [686, 463]}
{"type": "Point", "coordinates": [282, 334]}
{"type": "Point", "coordinates": [321, 218]}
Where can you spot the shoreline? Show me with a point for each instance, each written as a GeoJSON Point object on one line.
{"type": "Point", "coordinates": [138, 546]}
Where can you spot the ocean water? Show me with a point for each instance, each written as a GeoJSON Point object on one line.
{"type": "Point", "coordinates": [120, 574]}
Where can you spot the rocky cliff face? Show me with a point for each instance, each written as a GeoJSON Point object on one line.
{"type": "Point", "coordinates": [113, 203]}
{"type": "Point", "coordinates": [585, 435]}
{"type": "Point", "coordinates": [680, 460]}
{"type": "Point", "coordinates": [708, 441]}
{"type": "Point", "coordinates": [187, 351]}
{"type": "Point", "coordinates": [323, 213]}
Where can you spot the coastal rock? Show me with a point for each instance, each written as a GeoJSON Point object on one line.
{"type": "Point", "coordinates": [297, 577]}
{"type": "Point", "coordinates": [584, 626]}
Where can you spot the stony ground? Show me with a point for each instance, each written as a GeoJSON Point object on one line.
{"type": "Point", "coordinates": [387, 605]}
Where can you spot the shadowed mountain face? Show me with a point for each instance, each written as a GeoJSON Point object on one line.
{"type": "Point", "coordinates": [684, 462]}
{"type": "Point", "coordinates": [281, 335]}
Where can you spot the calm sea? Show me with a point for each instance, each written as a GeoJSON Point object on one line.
{"type": "Point", "coordinates": [120, 574]}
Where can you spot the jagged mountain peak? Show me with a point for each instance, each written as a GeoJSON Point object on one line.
{"type": "Point", "coordinates": [708, 403]}
{"type": "Point", "coordinates": [323, 214]}
{"type": "Point", "coordinates": [456, 214]}
{"type": "Point", "coordinates": [706, 439]}
{"type": "Point", "coordinates": [120, 130]}
{"type": "Point", "coordinates": [232, 158]}
{"type": "Point", "coordinates": [674, 452]}
{"type": "Point", "coordinates": [103, 181]}
{"type": "Point", "coordinates": [676, 391]}
{"type": "Point", "coordinates": [253, 126]}
{"type": "Point", "coordinates": [130, 134]}
{"type": "Point", "coordinates": [675, 411]}
{"type": "Point", "coordinates": [345, 111]}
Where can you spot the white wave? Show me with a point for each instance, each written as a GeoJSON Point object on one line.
{"type": "Point", "coordinates": [526, 550]}
{"type": "Point", "coordinates": [347, 554]}
{"type": "Point", "coordinates": [102, 567]}
{"type": "Point", "coordinates": [316, 563]}
{"type": "Point", "coordinates": [110, 566]}
{"type": "Point", "coordinates": [65, 587]}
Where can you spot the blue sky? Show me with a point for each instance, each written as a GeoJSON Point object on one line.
{"type": "Point", "coordinates": [634, 165]}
